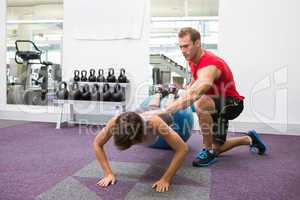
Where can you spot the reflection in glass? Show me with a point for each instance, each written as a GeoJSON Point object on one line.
{"type": "Point", "coordinates": [35, 69]}
{"type": "Point", "coordinates": [165, 54]}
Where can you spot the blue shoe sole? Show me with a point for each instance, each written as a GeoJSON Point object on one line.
{"type": "Point", "coordinates": [205, 165]}
{"type": "Point", "coordinates": [257, 136]}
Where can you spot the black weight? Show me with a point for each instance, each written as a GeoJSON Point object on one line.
{"type": "Point", "coordinates": [84, 75]}
{"type": "Point", "coordinates": [85, 92]}
{"type": "Point", "coordinates": [106, 94]}
{"type": "Point", "coordinates": [92, 77]}
{"type": "Point", "coordinates": [122, 77]}
{"type": "Point", "coordinates": [95, 95]}
{"type": "Point", "coordinates": [101, 77]}
{"type": "Point", "coordinates": [75, 93]}
{"type": "Point", "coordinates": [76, 75]}
{"type": "Point", "coordinates": [111, 78]}
{"type": "Point", "coordinates": [62, 92]}
{"type": "Point", "coordinates": [117, 95]}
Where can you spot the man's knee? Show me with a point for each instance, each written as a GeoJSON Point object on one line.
{"type": "Point", "coordinates": [205, 105]}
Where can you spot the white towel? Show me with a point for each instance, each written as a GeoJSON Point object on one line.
{"type": "Point", "coordinates": [109, 20]}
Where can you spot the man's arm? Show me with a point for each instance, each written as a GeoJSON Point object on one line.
{"type": "Point", "coordinates": [190, 84]}
{"type": "Point", "coordinates": [102, 137]}
{"type": "Point", "coordinates": [206, 77]}
{"type": "Point", "coordinates": [177, 144]}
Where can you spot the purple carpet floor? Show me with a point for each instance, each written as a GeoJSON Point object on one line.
{"type": "Point", "coordinates": [39, 162]}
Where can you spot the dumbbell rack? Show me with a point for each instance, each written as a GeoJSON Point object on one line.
{"type": "Point", "coordinates": [103, 109]}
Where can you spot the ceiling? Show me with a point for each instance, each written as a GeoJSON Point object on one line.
{"type": "Point", "coordinates": [159, 8]}
{"type": "Point", "coordinates": [181, 8]}
{"type": "Point", "coordinates": [53, 9]}
{"type": "Point", "coordinates": [24, 3]}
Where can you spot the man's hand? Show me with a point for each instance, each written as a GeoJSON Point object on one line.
{"type": "Point", "coordinates": [151, 113]}
{"type": "Point", "coordinates": [187, 86]}
{"type": "Point", "coordinates": [161, 186]}
{"type": "Point", "coordinates": [107, 180]}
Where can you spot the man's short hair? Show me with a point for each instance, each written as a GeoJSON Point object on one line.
{"type": "Point", "coordinates": [193, 33]}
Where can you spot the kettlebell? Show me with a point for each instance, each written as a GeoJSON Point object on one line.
{"type": "Point", "coordinates": [101, 77]}
{"type": "Point", "coordinates": [62, 92]}
{"type": "Point", "coordinates": [95, 95]}
{"type": "Point", "coordinates": [117, 95]}
{"type": "Point", "coordinates": [92, 77]}
{"type": "Point", "coordinates": [76, 75]}
{"type": "Point", "coordinates": [122, 77]}
{"type": "Point", "coordinates": [111, 76]}
{"type": "Point", "coordinates": [83, 75]}
{"type": "Point", "coordinates": [106, 94]}
{"type": "Point", "coordinates": [85, 92]}
{"type": "Point", "coordinates": [75, 93]}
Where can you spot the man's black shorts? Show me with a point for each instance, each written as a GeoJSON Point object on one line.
{"type": "Point", "coordinates": [227, 108]}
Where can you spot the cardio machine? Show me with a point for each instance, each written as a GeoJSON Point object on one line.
{"type": "Point", "coordinates": [35, 87]}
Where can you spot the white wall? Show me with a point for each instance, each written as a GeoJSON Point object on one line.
{"type": "Point", "coordinates": [260, 40]}
{"type": "Point", "coordinates": [133, 55]}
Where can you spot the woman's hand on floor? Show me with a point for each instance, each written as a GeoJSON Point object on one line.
{"type": "Point", "coordinates": [161, 185]}
{"type": "Point", "coordinates": [107, 180]}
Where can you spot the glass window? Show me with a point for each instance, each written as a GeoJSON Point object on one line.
{"type": "Point", "coordinates": [33, 23]}
{"type": "Point", "coordinates": [168, 17]}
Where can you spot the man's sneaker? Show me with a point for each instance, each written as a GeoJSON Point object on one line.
{"type": "Point", "coordinates": [257, 142]}
{"type": "Point", "coordinates": [204, 158]}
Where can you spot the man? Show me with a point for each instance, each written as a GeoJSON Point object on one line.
{"type": "Point", "coordinates": [213, 95]}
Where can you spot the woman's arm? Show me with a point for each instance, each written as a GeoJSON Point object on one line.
{"type": "Point", "coordinates": [177, 144]}
{"type": "Point", "coordinates": [101, 138]}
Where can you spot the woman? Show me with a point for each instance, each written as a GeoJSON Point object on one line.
{"type": "Point", "coordinates": [140, 127]}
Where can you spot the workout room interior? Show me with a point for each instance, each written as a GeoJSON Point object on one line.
{"type": "Point", "coordinates": [69, 67]}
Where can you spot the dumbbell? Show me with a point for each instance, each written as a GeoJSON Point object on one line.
{"type": "Point", "coordinates": [74, 93]}
{"type": "Point", "coordinates": [76, 76]}
{"type": "Point", "coordinates": [117, 95]}
{"type": "Point", "coordinates": [62, 92]}
{"type": "Point", "coordinates": [122, 77]}
{"type": "Point", "coordinates": [111, 78]}
{"type": "Point", "coordinates": [85, 92]}
{"type": "Point", "coordinates": [106, 93]}
{"type": "Point", "coordinates": [95, 94]}
{"type": "Point", "coordinates": [101, 77]}
{"type": "Point", "coordinates": [84, 76]}
{"type": "Point", "coordinates": [92, 77]}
